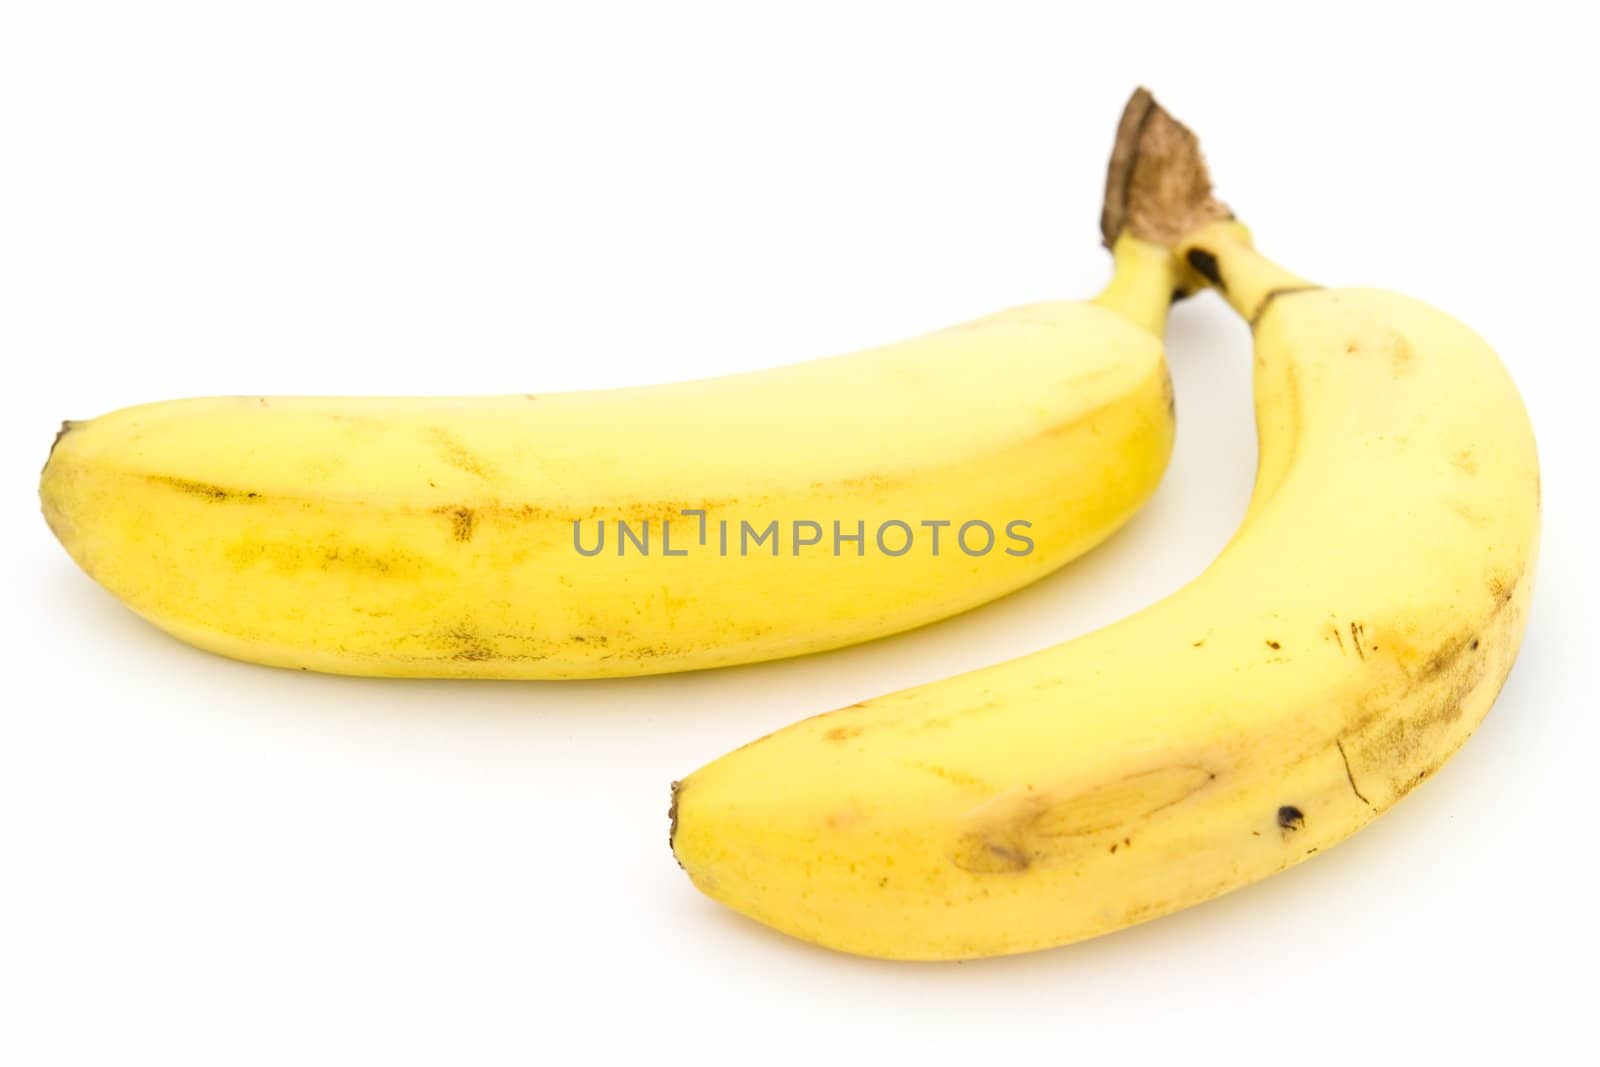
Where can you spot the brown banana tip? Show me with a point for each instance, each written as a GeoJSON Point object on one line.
{"type": "Point", "coordinates": [672, 814]}
{"type": "Point", "coordinates": [67, 426]}
{"type": "Point", "coordinates": [1119, 173]}
{"type": "Point", "coordinates": [1157, 185]}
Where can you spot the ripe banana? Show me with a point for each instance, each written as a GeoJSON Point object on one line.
{"type": "Point", "coordinates": [1348, 640]}
{"type": "Point", "coordinates": [458, 537]}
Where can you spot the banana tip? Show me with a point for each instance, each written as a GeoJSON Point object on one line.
{"type": "Point", "coordinates": [1157, 184]}
{"type": "Point", "coordinates": [67, 426]}
{"type": "Point", "coordinates": [672, 816]}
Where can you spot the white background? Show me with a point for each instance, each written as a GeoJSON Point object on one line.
{"type": "Point", "coordinates": [207, 862]}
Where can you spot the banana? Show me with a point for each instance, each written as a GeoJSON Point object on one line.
{"type": "Point", "coordinates": [1350, 637]}
{"type": "Point", "coordinates": [633, 531]}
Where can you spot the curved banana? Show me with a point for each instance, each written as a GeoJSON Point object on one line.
{"type": "Point", "coordinates": [632, 531]}
{"type": "Point", "coordinates": [1350, 637]}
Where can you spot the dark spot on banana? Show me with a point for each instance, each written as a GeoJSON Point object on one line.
{"type": "Point", "coordinates": [450, 449]}
{"type": "Point", "coordinates": [204, 490]}
{"type": "Point", "coordinates": [462, 519]}
{"type": "Point", "coordinates": [954, 777]}
{"type": "Point", "coordinates": [982, 854]}
{"type": "Point", "coordinates": [465, 644]}
{"type": "Point", "coordinates": [1274, 645]}
{"type": "Point", "coordinates": [1467, 514]}
{"type": "Point", "coordinates": [356, 558]}
{"type": "Point", "coordinates": [1014, 860]}
{"type": "Point", "coordinates": [1450, 656]}
{"type": "Point", "coordinates": [1401, 356]}
{"type": "Point", "coordinates": [842, 733]}
{"type": "Point", "coordinates": [1291, 819]}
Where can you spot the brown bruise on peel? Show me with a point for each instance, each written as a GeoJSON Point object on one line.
{"type": "Point", "coordinates": [204, 490]}
{"type": "Point", "coordinates": [1393, 347]}
{"type": "Point", "coordinates": [462, 520]}
{"type": "Point", "coordinates": [1402, 357]}
{"type": "Point", "coordinates": [1467, 514]}
{"type": "Point", "coordinates": [957, 778]}
{"type": "Point", "coordinates": [287, 558]}
{"type": "Point", "coordinates": [1398, 750]}
{"type": "Point", "coordinates": [466, 519]}
{"type": "Point", "coordinates": [450, 449]}
{"type": "Point", "coordinates": [462, 642]}
{"type": "Point", "coordinates": [1450, 653]}
{"type": "Point", "coordinates": [1019, 830]}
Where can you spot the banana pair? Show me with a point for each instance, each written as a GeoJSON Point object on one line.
{"type": "Point", "coordinates": [1346, 642]}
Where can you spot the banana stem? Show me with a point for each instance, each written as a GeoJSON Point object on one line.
{"type": "Point", "coordinates": [1224, 255]}
{"type": "Point", "coordinates": [1158, 191]}
{"type": "Point", "coordinates": [1144, 280]}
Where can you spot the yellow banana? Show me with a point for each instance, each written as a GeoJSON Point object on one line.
{"type": "Point", "coordinates": [1348, 640]}
{"type": "Point", "coordinates": [745, 518]}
